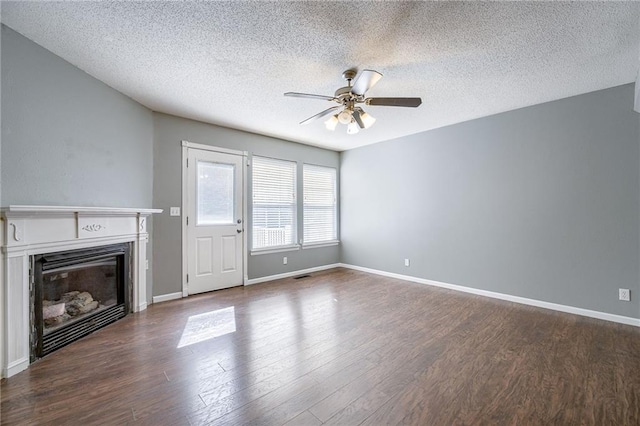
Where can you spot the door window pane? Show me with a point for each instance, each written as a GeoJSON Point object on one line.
{"type": "Point", "coordinates": [216, 201]}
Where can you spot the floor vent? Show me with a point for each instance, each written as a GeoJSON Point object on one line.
{"type": "Point", "coordinates": [301, 277]}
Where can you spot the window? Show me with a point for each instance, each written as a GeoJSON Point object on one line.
{"type": "Point", "coordinates": [274, 203]}
{"type": "Point", "coordinates": [215, 197]}
{"type": "Point", "coordinates": [320, 215]}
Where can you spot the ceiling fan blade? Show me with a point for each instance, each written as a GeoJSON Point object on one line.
{"type": "Point", "coordinates": [309, 95]}
{"type": "Point", "coordinates": [321, 114]}
{"type": "Point", "coordinates": [397, 102]}
{"type": "Point", "coordinates": [356, 116]}
{"type": "Point", "coordinates": [365, 81]}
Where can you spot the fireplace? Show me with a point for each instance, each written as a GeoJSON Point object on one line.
{"type": "Point", "coordinates": [77, 292]}
{"type": "Point", "coordinates": [39, 241]}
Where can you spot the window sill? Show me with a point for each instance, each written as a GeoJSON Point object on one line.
{"type": "Point", "coordinates": [274, 250]}
{"type": "Point", "coordinates": [321, 244]}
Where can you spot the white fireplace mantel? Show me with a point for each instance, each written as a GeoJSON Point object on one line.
{"type": "Point", "coordinates": [29, 230]}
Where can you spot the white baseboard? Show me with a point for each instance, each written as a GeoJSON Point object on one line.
{"type": "Point", "coordinates": [141, 307]}
{"type": "Point", "coordinates": [15, 367]}
{"type": "Point", "coordinates": [167, 297]}
{"type": "Point", "coordinates": [517, 299]}
{"type": "Point", "coordinates": [292, 274]}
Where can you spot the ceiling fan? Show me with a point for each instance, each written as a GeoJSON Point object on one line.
{"type": "Point", "coordinates": [349, 97]}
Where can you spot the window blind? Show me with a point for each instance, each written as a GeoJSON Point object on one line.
{"type": "Point", "coordinates": [274, 202]}
{"type": "Point", "coordinates": [320, 216]}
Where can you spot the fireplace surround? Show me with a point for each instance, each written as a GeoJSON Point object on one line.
{"type": "Point", "coordinates": [27, 232]}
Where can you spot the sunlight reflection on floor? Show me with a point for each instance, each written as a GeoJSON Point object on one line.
{"type": "Point", "coordinates": [207, 326]}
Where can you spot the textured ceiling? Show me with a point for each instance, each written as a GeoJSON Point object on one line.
{"type": "Point", "coordinates": [229, 63]}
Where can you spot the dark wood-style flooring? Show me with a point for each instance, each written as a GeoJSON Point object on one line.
{"type": "Point", "coordinates": [340, 348]}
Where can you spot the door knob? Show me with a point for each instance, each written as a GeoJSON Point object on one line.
{"type": "Point", "coordinates": [239, 220]}
{"type": "Point", "coordinates": [238, 230]}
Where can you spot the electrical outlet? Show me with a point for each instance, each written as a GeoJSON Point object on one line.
{"type": "Point", "coordinates": [284, 260]}
{"type": "Point", "coordinates": [406, 262]}
{"type": "Point", "coordinates": [624, 294]}
{"type": "Point", "coordinates": [174, 211]}
{"type": "Point", "coordinates": [146, 264]}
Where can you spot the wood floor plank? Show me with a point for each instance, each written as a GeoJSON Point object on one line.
{"type": "Point", "coordinates": [340, 347]}
{"type": "Point", "coordinates": [304, 419]}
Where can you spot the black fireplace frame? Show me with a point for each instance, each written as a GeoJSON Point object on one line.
{"type": "Point", "coordinates": [42, 344]}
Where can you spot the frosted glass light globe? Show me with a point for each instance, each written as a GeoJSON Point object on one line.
{"type": "Point", "coordinates": [345, 117]}
{"type": "Point", "coordinates": [353, 128]}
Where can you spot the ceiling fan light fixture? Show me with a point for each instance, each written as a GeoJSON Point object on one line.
{"type": "Point", "coordinates": [332, 122]}
{"type": "Point", "coordinates": [353, 128]}
{"type": "Point", "coordinates": [367, 119]}
{"type": "Point", "coordinates": [345, 117]}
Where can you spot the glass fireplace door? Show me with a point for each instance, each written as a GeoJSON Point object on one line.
{"type": "Point", "coordinates": [77, 292]}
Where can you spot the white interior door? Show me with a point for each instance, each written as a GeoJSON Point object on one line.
{"type": "Point", "coordinates": [214, 220]}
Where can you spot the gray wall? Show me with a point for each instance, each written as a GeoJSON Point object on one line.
{"type": "Point", "coordinates": [636, 105]}
{"type": "Point", "coordinates": [67, 138]}
{"type": "Point", "coordinates": [169, 132]}
{"type": "Point", "coordinates": [541, 202]}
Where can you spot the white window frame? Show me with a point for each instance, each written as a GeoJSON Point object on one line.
{"type": "Point", "coordinates": [294, 226]}
{"type": "Point", "coordinates": [334, 240]}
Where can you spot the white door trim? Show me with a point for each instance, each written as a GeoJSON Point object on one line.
{"type": "Point", "coordinates": [186, 146]}
{"type": "Point", "coordinates": [183, 219]}
{"type": "Point", "coordinates": [245, 216]}
{"type": "Point", "coordinates": [212, 148]}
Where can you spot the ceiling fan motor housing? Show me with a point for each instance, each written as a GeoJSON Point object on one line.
{"type": "Point", "coordinates": [343, 91]}
{"type": "Point", "coordinates": [347, 97]}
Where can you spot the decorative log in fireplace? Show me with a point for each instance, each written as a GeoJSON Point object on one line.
{"type": "Point", "coordinates": [77, 292]}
